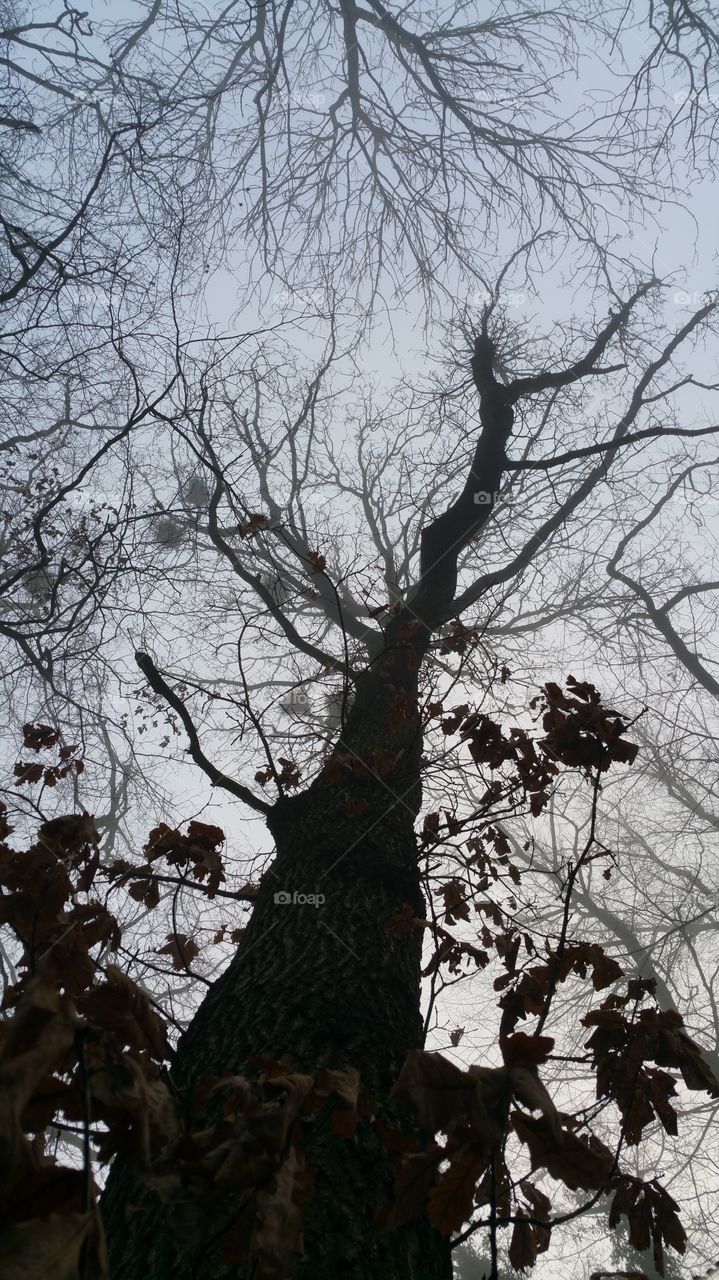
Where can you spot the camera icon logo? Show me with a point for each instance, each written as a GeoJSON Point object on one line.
{"type": "Point", "coordinates": [298, 899]}
{"type": "Point", "coordinates": [482, 498]}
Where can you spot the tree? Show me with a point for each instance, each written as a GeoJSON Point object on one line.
{"type": "Point", "coordinates": [227, 500]}
{"type": "Point", "coordinates": [352, 832]}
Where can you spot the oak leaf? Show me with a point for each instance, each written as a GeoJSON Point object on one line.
{"type": "Point", "coordinates": [523, 1246]}
{"type": "Point", "coordinates": [451, 1199]}
{"type": "Point", "coordinates": [276, 1240]}
{"type": "Point", "coordinates": [50, 1248]}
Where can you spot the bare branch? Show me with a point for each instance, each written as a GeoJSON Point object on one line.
{"type": "Point", "coordinates": [217, 778]}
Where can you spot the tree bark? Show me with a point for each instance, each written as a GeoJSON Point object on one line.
{"type": "Point", "coordinates": [327, 985]}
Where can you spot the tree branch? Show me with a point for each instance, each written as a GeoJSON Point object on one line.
{"type": "Point", "coordinates": [217, 778]}
{"type": "Point", "coordinates": [573, 455]}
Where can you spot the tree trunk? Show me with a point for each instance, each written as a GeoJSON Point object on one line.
{"type": "Point", "coordinates": [327, 985]}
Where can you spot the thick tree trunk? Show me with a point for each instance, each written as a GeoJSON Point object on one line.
{"type": "Point", "coordinates": [327, 985]}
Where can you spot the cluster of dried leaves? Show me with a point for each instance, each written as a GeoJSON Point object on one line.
{"type": "Point", "coordinates": [43, 738]}
{"type": "Point", "coordinates": [287, 776]}
{"type": "Point", "coordinates": [199, 851]}
{"type": "Point", "coordinates": [579, 730]}
{"type": "Point", "coordinates": [633, 1049]}
{"type": "Point", "coordinates": [579, 733]}
{"type": "Point", "coordinates": [467, 1177]}
{"type": "Point", "coordinates": [83, 1050]}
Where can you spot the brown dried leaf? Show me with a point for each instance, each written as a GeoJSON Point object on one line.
{"type": "Point", "coordinates": [37, 737]}
{"type": "Point", "coordinates": [438, 1092]}
{"type": "Point", "coordinates": [640, 1225]}
{"type": "Point", "coordinates": [122, 1007]}
{"type": "Point", "coordinates": [49, 1248]}
{"type": "Point", "coordinates": [36, 1042]}
{"type": "Point", "coordinates": [523, 1246]}
{"type": "Point", "coordinates": [528, 1088]}
{"type": "Point", "coordinates": [146, 891]}
{"type": "Point", "coordinates": [451, 1199]}
{"type": "Point", "coordinates": [343, 1084]}
{"type": "Point", "coordinates": [575, 1163]}
{"type": "Point", "coordinates": [455, 906]}
{"type": "Point", "coordinates": [276, 1241]}
{"type": "Point", "coordinates": [119, 1092]}
{"type": "Point", "coordinates": [413, 1181]}
{"type": "Point", "coordinates": [522, 1050]}
{"type": "Point", "coordinates": [180, 948]}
